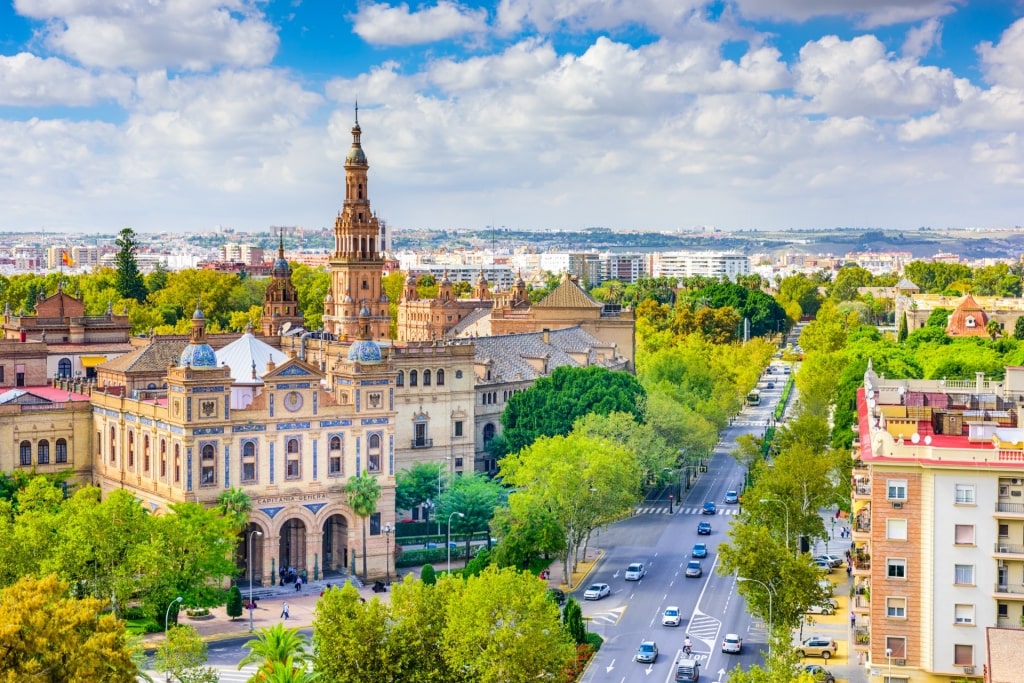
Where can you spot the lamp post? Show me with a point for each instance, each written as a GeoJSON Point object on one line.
{"type": "Point", "coordinates": [388, 529]}
{"type": "Point", "coordinates": [784, 507]}
{"type": "Point", "coordinates": [770, 591]}
{"type": "Point", "coordinates": [888, 655]}
{"type": "Point", "coordinates": [167, 618]}
{"type": "Point", "coordinates": [252, 533]}
{"type": "Point", "coordinates": [449, 544]}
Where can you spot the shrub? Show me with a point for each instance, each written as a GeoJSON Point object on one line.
{"type": "Point", "coordinates": [234, 604]}
{"type": "Point", "coordinates": [427, 575]}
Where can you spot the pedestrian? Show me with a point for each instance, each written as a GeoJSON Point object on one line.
{"type": "Point", "coordinates": [298, 584]}
{"type": "Point", "coordinates": [284, 610]}
{"type": "Point", "coordinates": [853, 619]}
{"type": "Point", "coordinates": [849, 568]}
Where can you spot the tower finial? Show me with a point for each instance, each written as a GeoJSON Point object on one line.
{"type": "Point", "coordinates": [280, 248]}
{"type": "Point", "coordinates": [357, 111]}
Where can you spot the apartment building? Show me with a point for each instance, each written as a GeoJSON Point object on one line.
{"type": "Point", "coordinates": [716, 264]}
{"type": "Point", "coordinates": [938, 523]}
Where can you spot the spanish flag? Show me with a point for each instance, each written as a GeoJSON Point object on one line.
{"type": "Point", "coordinates": [65, 258]}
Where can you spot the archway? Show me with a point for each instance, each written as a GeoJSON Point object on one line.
{"type": "Point", "coordinates": [335, 544]}
{"type": "Point", "coordinates": [242, 555]}
{"type": "Point", "coordinates": [292, 547]}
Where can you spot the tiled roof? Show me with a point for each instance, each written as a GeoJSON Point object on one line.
{"type": "Point", "coordinates": [508, 353]}
{"type": "Point", "coordinates": [906, 284]}
{"type": "Point", "coordinates": [568, 294]}
{"type": "Point", "coordinates": [153, 357]}
{"type": "Point", "coordinates": [475, 318]}
{"type": "Point", "coordinates": [968, 308]}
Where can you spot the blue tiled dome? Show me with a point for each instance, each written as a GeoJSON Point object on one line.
{"type": "Point", "coordinates": [198, 356]}
{"type": "Point", "coordinates": [365, 351]}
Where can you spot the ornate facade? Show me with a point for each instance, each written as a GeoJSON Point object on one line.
{"type": "Point", "coordinates": [281, 309]}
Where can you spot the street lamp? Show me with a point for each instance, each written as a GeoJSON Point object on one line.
{"type": "Point", "coordinates": [888, 655]}
{"type": "Point", "coordinates": [770, 592]}
{"type": "Point", "coordinates": [167, 618]}
{"type": "Point", "coordinates": [784, 507]}
{"type": "Point", "coordinates": [450, 538]}
{"type": "Point", "coordinates": [387, 547]}
{"type": "Point", "coordinates": [252, 533]}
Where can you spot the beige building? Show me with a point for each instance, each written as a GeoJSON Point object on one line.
{"type": "Point", "coordinates": [918, 307]}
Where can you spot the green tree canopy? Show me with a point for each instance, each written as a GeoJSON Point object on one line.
{"type": "Point", "coordinates": [363, 493]}
{"type": "Point", "coordinates": [130, 284]}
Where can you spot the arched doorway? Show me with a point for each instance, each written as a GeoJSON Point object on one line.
{"type": "Point", "coordinates": [292, 548]}
{"type": "Point", "coordinates": [335, 544]}
{"type": "Point", "coordinates": [242, 555]}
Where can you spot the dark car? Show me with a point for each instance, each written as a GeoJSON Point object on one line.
{"type": "Point", "coordinates": [556, 596]}
{"type": "Point", "coordinates": [709, 508]}
{"type": "Point", "coordinates": [819, 673]}
{"type": "Point", "coordinates": [699, 550]}
{"type": "Point", "coordinates": [704, 529]}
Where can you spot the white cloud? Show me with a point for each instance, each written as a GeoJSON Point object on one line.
{"type": "Point", "coordinates": [857, 77]}
{"type": "Point", "coordinates": [680, 19]}
{"type": "Point", "coordinates": [28, 80]}
{"type": "Point", "coordinates": [921, 39]}
{"type": "Point", "coordinates": [384, 24]}
{"type": "Point", "coordinates": [194, 35]}
{"type": "Point", "coordinates": [1003, 62]}
{"type": "Point", "coordinates": [867, 13]}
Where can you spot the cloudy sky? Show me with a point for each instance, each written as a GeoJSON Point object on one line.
{"type": "Point", "coordinates": [535, 114]}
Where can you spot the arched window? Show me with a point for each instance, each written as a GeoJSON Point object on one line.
{"type": "Point", "coordinates": [62, 451]}
{"type": "Point", "coordinates": [249, 462]}
{"type": "Point", "coordinates": [413, 378]}
{"type": "Point", "coordinates": [208, 466]}
{"type": "Point", "coordinates": [400, 379]}
{"type": "Point", "coordinates": [292, 465]}
{"type": "Point", "coordinates": [426, 378]}
{"type": "Point", "coordinates": [43, 452]}
{"type": "Point", "coordinates": [113, 447]}
{"type": "Point", "coordinates": [145, 453]}
{"type": "Point", "coordinates": [25, 453]}
{"type": "Point", "coordinates": [177, 462]}
{"type": "Point", "coordinates": [64, 367]}
{"type": "Point", "coordinates": [163, 458]}
{"type": "Point", "coordinates": [249, 449]}
{"type": "Point", "coordinates": [334, 467]}
{"type": "Point", "coordinates": [131, 448]}
{"type": "Point", "coordinates": [488, 433]}
{"type": "Point", "coordinates": [440, 377]}
{"type": "Point", "coordinates": [373, 453]}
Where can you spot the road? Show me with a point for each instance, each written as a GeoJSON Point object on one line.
{"type": "Point", "coordinates": [710, 605]}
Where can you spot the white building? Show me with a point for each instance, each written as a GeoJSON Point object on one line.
{"type": "Point", "coordinates": [716, 264]}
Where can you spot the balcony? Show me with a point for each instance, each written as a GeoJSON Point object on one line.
{"type": "Point", "coordinates": [1008, 591]}
{"type": "Point", "coordinates": [861, 565]}
{"type": "Point", "coordinates": [862, 491]}
{"type": "Point", "coordinates": [1009, 510]}
{"type": "Point", "coordinates": [422, 443]}
{"type": "Point", "coordinates": [1008, 551]}
{"type": "Point", "coordinates": [861, 524]}
{"type": "Point", "coordinates": [861, 638]}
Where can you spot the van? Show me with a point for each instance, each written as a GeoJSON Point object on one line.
{"type": "Point", "coordinates": [688, 670]}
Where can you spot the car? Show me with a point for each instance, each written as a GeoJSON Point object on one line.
{"type": "Point", "coordinates": [671, 617]}
{"type": "Point", "coordinates": [694, 570]}
{"type": "Point", "coordinates": [785, 370]}
{"type": "Point", "coordinates": [827, 607]}
{"type": "Point", "coordinates": [816, 646]}
{"type": "Point", "coordinates": [704, 529]}
{"type": "Point", "coordinates": [833, 560]}
{"type": "Point", "coordinates": [687, 670]}
{"type": "Point", "coordinates": [699, 550]}
{"type": "Point", "coordinates": [709, 508]}
{"type": "Point", "coordinates": [769, 369]}
{"type": "Point", "coordinates": [635, 571]}
{"type": "Point", "coordinates": [596, 591]}
{"type": "Point", "coordinates": [732, 644]}
{"type": "Point", "coordinates": [647, 652]}
{"type": "Point", "coordinates": [827, 587]}
{"type": "Point", "coordinates": [819, 673]}
{"type": "Point", "coordinates": [771, 385]}
{"type": "Point", "coordinates": [556, 596]}
{"type": "Point", "coordinates": [824, 566]}
{"type": "Point", "coordinates": [732, 497]}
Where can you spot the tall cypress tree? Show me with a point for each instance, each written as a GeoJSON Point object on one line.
{"type": "Point", "coordinates": [129, 282]}
{"type": "Point", "coordinates": [901, 336]}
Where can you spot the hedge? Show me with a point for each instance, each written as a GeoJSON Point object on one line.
{"type": "Point", "coordinates": [418, 556]}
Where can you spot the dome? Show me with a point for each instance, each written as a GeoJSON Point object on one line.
{"type": "Point", "coordinates": [365, 351]}
{"type": "Point", "coordinates": [328, 299]}
{"type": "Point", "coordinates": [364, 312]}
{"type": "Point", "coordinates": [445, 282]}
{"type": "Point", "coordinates": [280, 267]}
{"type": "Point", "coordinates": [411, 280]}
{"type": "Point", "coordinates": [198, 355]}
{"type": "Point", "coordinates": [355, 156]}
{"type": "Point", "coordinates": [198, 315]}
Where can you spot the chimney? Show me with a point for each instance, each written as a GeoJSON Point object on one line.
{"type": "Point", "coordinates": [979, 381]}
{"type": "Point", "coordinates": [545, 334]}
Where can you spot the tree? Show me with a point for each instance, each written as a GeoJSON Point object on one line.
{"type": "Point", "coordinates": [235, 506]}
{"type": "Point", "coordinates": [351, 640]}
{"type": "Point", "coordinates": [130, 284]}
{"type": "Point", "coordinates": [417, 485]}
{"type": "Point", "coordinates": [182, 654]}
{"type": "Point", "coordinates": [800, 290]}
{"type": "Point", "coordinates": [939, 317]}
{"type": "Point", "coordinates": [527, 529]}
{"type": "Point", "coordinates": [428, 575]}
{"type": "Point", "coordinates": [572, 619]}
{"type": "Point", "coordinates": [652, 452]}
{"type": "Point", "coordinates": [363, 493]}
{"type": "Point", "coordinates": [49, 636]}
{"type": "Point", "coordinates": [847, 281]}
{"type": "Point", "coordinates": [994, 329]}
{"type": "Point", "coordinates": [1018, 328]}
{"type": "Point", "coordinates": [157, 279]}
{"type": "Point", "coordinates": [474, 496]}
{"type": "Point", "coordinates": [277, 644]}
{"type": "Point", "coordinates": [901, 336]}
{"type": "Point", "coordinates": [234, 603]}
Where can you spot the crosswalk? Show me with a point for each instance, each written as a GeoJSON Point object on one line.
{"type": "Point", "coordinates": [663, 510]}
{"type": "Point", "coordinates": [607, 617]}
{"type": "Point", "coordinates": [225, 674]}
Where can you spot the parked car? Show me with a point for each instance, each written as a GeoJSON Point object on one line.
{"type": "Point", "coordinates": [827, 587]}
{"type": "Point", "coordinates": [556, 596]}
{"type": "Point", "coordinates": [699, 550]}
{"type": "Point", "coordinates": [709, 508]}
{"type": "Point", "coordinates": [636, 571]}
{"type": "Point", "coordinates": [671, 617]}
{"type": "Point", "coordinates": [819, 673]}
{"type": "Point", "coordinates": [829, 606]}
{"type": "Point", "coordinates": [596, 591]}
{"type": "Point", "coordinates": [816, 646]}
{"type": "Point", "coordinates": [732, 644]}
{"type": "Point", "coordinates": [694, 570]}
{"type": "Point", "coordinates": [704, 529]}
{"type": "Point", "coordinates": [833, 560]}
{"type": "Point", "coordinates": [732, 497]}
{"type": "Point", "coordinates": [647, 652]}
{"type": "Point", "coordinates": [824, 565]}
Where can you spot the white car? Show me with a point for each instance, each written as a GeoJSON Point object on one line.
{"type": "Point", "coordinates": [671, 617]}
{"type": "Point", "coordinates": [732, 644]}
{"type": "Point", "coordinates": [596, 591]}
{"type": "Point", "coordinates": [635, 571]}
{"type": "Point", "coordinates": [827, 607]}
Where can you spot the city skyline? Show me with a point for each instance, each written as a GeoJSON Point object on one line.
{"type": "Point", "coordinates": [533, 115]}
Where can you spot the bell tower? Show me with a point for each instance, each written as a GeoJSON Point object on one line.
{"type": "Point", "coordinates": [357, 306]}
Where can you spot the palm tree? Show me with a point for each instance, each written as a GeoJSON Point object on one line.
{"type": "Point", "coordinates": [277, 645]}
{"type": "Point", "coordinates": [363, 493]}
{"type": "Point", "coordinates": [286, 672]}
{"type": "Point", "coordinates": [235, 505]}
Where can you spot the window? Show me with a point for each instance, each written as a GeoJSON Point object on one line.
{"type": "Point", "coordinates": [375, 524]}
{"type": "Point", "coordinates": [963, 574]}
{"type": "Point", "coordinates": [1004, 531]}
{"type": "Point", "coordinates": [965, 494]}
{"type": "Point", "coordinates": [458, 462]}
{"type": "Point", "coordinates": [131, 448]}
{"type": "Point", "coordinates": [420, 439]}
{"type": "Point", "coordinates": [1004, 490]}
{"type": "Point", "coordinates": [963, 655]}
{"type": "Point", "coordinates": [208, 470]}
{"type": "Point", "coordinates": [113, 448]}
{"type": "Point", "coordinates": [334, 457]}
{"type": "Point", "coordinates": [1003, 610]}
{"type": "Point", "coordinates": [145, 453]}
{"type": "Point", "coordinates": [896, 529]}
{"type": "Point", "coordinates": [896, 569]}
{"type": "Point", "coordinates": [163, 458]}
{"type": "Point", "coordinates": [292, 460]}
{"type": "Point", "coordinates": [964, 534]}
{"type": "Point", "coordinates": [25, 454]}
{"type": "Point", "coordinates": [426, 378]}
{"type": "Point", "coordinates": [413, 378]}
{"type": "Point", "coordinates": [897, 645]}
{"type": "Point", "coordinates": [897, 489]}
{"type": "Point", "coordinates": [440, 377]}
{"type": "Point", "coordinates": [373, 452]}
{"type": "Point", "coordinates": [249, 462]}
{"type": "Point", "coordinates": [458, 428]}
{"type": "Point", "coordinates": [969, 321]}
{"type": "Point", "coordinates": [64, 367]}
{"type": "Point", "coordinates": [458, 374]}
{"type": "Point", "coordinates": [963, 614]}
{"type": "Point", "coordinates": [400, 379]}
{"type": "Point", "coordinates": [488, 433]}
{"type": "Point", "coordinates": [177, 462]}
{"type": "Point", "coordinates": [896, 608]}
{"type": "Point", "coordinates": [62, 451]}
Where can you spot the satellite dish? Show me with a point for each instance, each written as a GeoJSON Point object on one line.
{"type": "Point", "coordinates": [915, 437]}
{"type": "Point", "coordinates": [286, 327]}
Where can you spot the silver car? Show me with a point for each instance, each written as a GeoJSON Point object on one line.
{"type": "Point", "coordinates": [596, 591]}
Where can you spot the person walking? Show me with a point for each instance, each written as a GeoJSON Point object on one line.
{"type": "Point", "coordinates": [853, 619]}
{"type": "Point", "coordinates": [284, 610]}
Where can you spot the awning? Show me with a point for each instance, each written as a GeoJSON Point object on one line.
{"type": "Point", "coordinates": [92, 361]}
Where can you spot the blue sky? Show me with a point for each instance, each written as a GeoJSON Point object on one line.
{"type": "Point", "coordinates": [537, 114]}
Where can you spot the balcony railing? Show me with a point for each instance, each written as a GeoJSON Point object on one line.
{"type": "Point", "coordinates": [862, 636]}
{"type": "Point", "coordinates": [422, 443]}
{"type": "Point", "coordinates": [862, 525]}
{"type": "Point", "coordinates": [1009, 589]}
{"type": "Point", "coordinates": [1004, 548]}
{"type": "Point", "coordinates": [862, 490]}
{"type": "Point", "coordinates": [861, 562]}
{"type": "Point", "coordinates": [1017, 508]}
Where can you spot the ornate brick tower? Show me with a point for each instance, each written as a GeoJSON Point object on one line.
{"type": "Point", "coordinates": [281, 301]}
{"type": "Point", "coordinates": [356, 306]}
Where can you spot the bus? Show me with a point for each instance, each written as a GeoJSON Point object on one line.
{"type": "Point", "coordinates": [754, 397]}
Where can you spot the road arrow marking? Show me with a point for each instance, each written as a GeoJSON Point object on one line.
{"type": "Point", "coordinates": [650, 668]}
{"type": "Point", "coordinates": [610, 666]}
{"type": "Point", "coordinates": [721, 672]}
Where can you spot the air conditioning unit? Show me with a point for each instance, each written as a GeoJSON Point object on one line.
{"type": "Point", "coordinates": [1004, 548]}
{"type": "Point", "coordinates": [899, 662]}
{"type": "Point", "coordinates": [1015, 482]}
{"type": "Point", "coordinates": [897, 505]}
{"type": "Point", "coordinates": [968, 669]}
